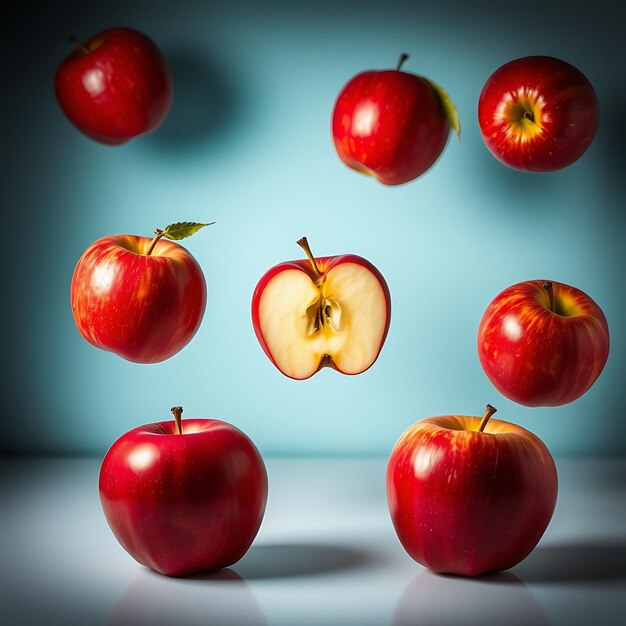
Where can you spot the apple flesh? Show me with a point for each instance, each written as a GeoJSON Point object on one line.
{"type": "Point", "coordinates": [139, 298]}
{"type": "Point", "coordinates": [391, 124]}
{"type": "Point", "coordinates": [322, 312]}
{"type": "Point", "coordinates": [543, 343]}
{"type": "Point", "coordinates": [184, 496]}
{"type": "Point", "coordinates": [470, 495]}
{"type": "Point", "coordinates": [115, 86]}
{"type": "Point", "coordinates": [538, 114]}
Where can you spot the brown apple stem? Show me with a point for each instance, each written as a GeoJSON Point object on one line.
{"type": "Point", "coordinates": [158, 233]}
{"type": "Point", "coordinates": [177, 411]}
{"type": "Point", "coordinates": [304, 244]}
{"type": "Point", "coordinates": [79, 44]}
{"type": "Point", "coordinates": [550, 289]}
{"type": "Point", "coordinates": [529, 115]}
{"type": "Point", "coordinates": [489, 411]}
{"type": "Point", "coordinates": [403, 57]}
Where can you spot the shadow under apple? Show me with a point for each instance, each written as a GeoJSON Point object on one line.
{"type": "Point", "coordinates": [299, 559]}
{"type": "Point", "coordinates": [541, 190]}
{"type": "Point", "coordinates": [612, 133]}
{"type": "Point", "coordinates": [493, 599]}
{"type": "Point", "coordinates": [221, 598]}
{"type": "Point", "coordinates": [205, 103]}
{"type": "Point", "coordinates": [580, 562]}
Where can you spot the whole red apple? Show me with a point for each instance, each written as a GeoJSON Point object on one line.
{"type": "Point", "coordinates": [391, 124]}
{"type": "Point", "coordinates": [543, 343]}
{"type": "Point", "coordinates": [115, 86]}
{"type": "Point", "coordinates": [538, 114]}
{"type": "Point", "coordinates": [142, 299]}
{"type": "Point", "coordinates": [184, 496]}
{"type": "Point", "coordinates": [321, 312]}
{"type": "Point", "coordinates": [470, 495]}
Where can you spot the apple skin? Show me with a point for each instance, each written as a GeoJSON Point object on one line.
{"type": "Point", "coordinates": [184, 503]}
{"type": "Point", "coordinates": [120, 89]}
{"type": "Point", "coordinates": [468, 502]}
{"type": "Point", "coordinates": [538, 357]}
{"type": "Point", "coordinates": [144, 308]}
{"type": "Point", "coordinates": [559, 98]}
{"type": "Point", "coordinates": [389, 124]}
{"type": "Point", "coordinates": [324, 264]}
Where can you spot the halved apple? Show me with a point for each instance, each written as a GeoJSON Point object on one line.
{"type": "Point", "coordinates": [325, 312]}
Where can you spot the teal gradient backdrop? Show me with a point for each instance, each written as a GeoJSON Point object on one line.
{"type": "Point", "coordinates": [247, 144]}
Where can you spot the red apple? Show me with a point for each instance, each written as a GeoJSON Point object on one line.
{"type": "Point", "coordinates": [543, 343]}
{"type": "Point", "coordinates": [184, 496]}
{"type": "Point", "coordinates": [391, 124]}
{"type": "Point", "coordinates": [142, 299]}
{"type": "Point", "coordinates": [321, 312]}
{"type": "Point", "coordinates": [115, 86]}
{"type": "Point", "coordinates": [470, 495]}
{"type": "Point", "coordinates": [538, 114]}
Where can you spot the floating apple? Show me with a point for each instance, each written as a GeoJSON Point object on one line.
{"type": "Point", "coordinates": [141, 298]}
{"type": "Point", "coordinates": [114, 86]}
{"type": "Point", "coordinates": [391, 124]}
{"type": "Point", "coordinates": [321, 312]}
{"type": "Point", "coordinates": [543, 343]}
{"type": "Point", "coordinates": [538, 114]}
{"type": "Point", "coordinates": [184, 496]}
{"type": "Point", "coordinates": [469, 495]}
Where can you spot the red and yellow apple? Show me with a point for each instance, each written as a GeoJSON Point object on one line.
{"type": "Point", "coordinates": [543, 343]}
{"type": "Point", "coordinates": [538, 114]}
{"type": "Point", "coordinates": [141, 298]}
{"type": "Point", "coordinates": [391, 124]}
{"type": "Point", "coordinates": [321, 312]}
{"type": "Point", "coordinates": [469, 495]}
{"type": "Point", "coordinates": [115, 86]}
{"type": "Point", "coordinates": [184, 496]}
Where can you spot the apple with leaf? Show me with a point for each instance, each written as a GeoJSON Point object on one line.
{"type": "Point", "coordinates": [140, 298]}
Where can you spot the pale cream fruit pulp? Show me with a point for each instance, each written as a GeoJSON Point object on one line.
{"type": "Point", "coordinates": [344, 318]}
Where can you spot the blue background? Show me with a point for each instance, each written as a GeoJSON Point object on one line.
{"type": "Point", "coordinates": [247, 143]}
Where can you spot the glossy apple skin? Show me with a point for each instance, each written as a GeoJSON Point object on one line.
{"type": "Point", "coordinates": [324, 264]}
{"type": "Point", "coordinates": [121, 89]}
{"type": "Point", "coordinates": [143, 308]}
{"type": "Point", "coordinates": [466, 502]}
{"type": "Point", "coordinates": [569, 104]}
{"type": "Point", "coordinates": [537, 357]}
{"type": "Point", "coordinates": [389, 124]}
{"type": "Point", "coordinates": [186, 503]}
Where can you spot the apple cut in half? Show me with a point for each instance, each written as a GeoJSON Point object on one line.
{"type": "Point", "coordinates": [322, 312]}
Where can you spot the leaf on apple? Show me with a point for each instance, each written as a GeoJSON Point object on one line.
{"type": "Point", "coordinates": [182, 230]}
{"type": "Point", "coordinates": [449, 109]}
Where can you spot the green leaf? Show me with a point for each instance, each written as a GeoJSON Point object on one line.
{"type": "Point", "coordinates": [449, 110]}
{"type": "Point", "coordinates": [182, 230]}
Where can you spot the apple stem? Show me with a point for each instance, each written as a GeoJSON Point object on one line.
{"type": "Point", "coordinates": [489, 411]}
{"type": "Point", "coordinates": [158, 233]}
{"type": "Point", "coordinates": [177, 411]}
{"type": "Point", "coordinates": [403, 57]}
{"type": "Point", "coordinates": [79, 44]}
{"type": "Point", "coordinates": [529, 115]}
{"type": "Point", "coordinates": [304, 244]}
{"type": "Point", "coordinates": [550, 289]}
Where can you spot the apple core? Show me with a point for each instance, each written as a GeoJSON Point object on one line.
{"type": "Point", "coordinates": [523, 115]}
{"type": "Point", "coordinates": [321, 312]}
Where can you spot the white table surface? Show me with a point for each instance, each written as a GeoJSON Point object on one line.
{"type": "Point", "coordinates": [326, 554]}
